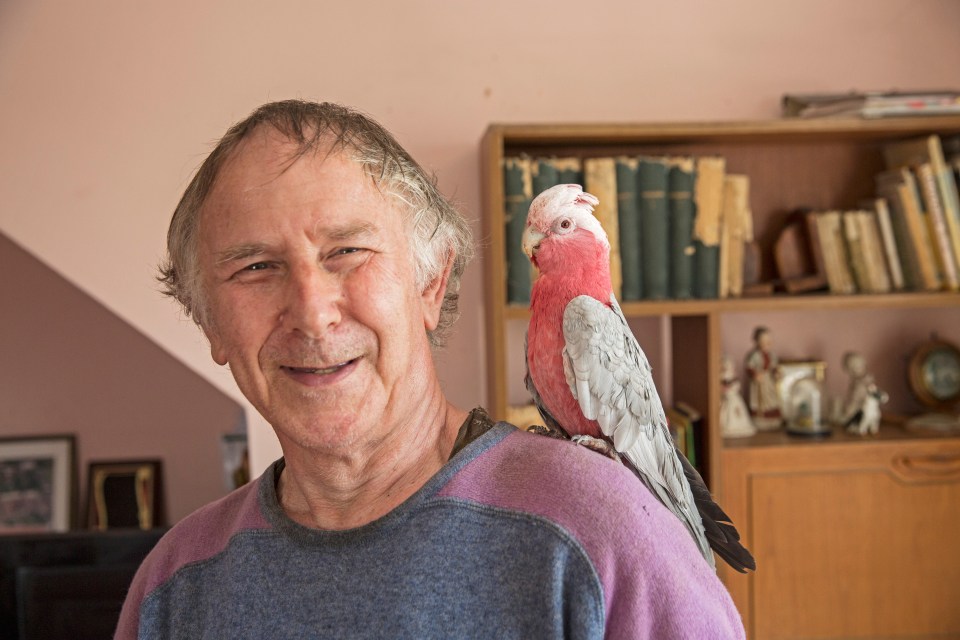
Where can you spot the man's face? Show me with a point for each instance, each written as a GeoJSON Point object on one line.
{"type": "Point", "coordinates": [309, 279]}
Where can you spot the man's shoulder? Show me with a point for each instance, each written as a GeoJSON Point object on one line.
{"type": "Point", "coordinates": [204, 534]}
{"type": "Point", "coordinates": [558, 480]}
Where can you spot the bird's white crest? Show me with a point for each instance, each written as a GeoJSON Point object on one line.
{"type": "Point", "coordinates": [565, 201]}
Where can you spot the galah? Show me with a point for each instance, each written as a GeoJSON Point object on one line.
{"type": "Point", "coordinates": [588, 375]}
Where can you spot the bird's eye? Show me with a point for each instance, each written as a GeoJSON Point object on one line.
{"type": "Point", "coordinates": [564, 225]}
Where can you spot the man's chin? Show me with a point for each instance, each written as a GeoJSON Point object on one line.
{"type": "Point", "coordinates": [339, 426]}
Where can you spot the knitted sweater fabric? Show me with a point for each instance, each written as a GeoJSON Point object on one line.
{"type": "Point", "coordinates": [517, 536]}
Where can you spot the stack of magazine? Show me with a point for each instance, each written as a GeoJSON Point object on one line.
{"type": "Point", "coordinates": [875, 104]}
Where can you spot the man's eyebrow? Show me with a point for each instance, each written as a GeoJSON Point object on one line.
{"type": "Point", "coordinates": [239, 252]}
{"type": "Point", "coordinates": [336, 234]}
{"type": "Point", "coordinates": [351, 231]}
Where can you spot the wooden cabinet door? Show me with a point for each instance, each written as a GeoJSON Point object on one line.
{"type": "Point", "coordinates": [852, 540]}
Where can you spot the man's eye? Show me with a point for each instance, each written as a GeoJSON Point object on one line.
{"type": "Point", "coordinates": [256, 266]}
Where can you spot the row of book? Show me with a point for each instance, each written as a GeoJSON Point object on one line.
{"type": "Point", "coordinates": [905, 239]}
{"type": "Point", "coordinates": [919, 189]}
{"type": "Point", "coordinates": [664, 217]}
{"type": "Point", "coordinates": [681, 227]}
{"type": "Point", "coordinates": [686, 427]}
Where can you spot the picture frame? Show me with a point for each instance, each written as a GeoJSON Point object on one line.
{"type": "Point", "coordinates": [38, 486]}
{"type": "Point", "coordinates": [236, 460]}
{"type": "Point", "coordinates": [125, 494]}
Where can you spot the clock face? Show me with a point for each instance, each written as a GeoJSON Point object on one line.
{"type": "Point", "coordinates": [935, 374]}
{"type": "Point", "coordinates": [941, 374]}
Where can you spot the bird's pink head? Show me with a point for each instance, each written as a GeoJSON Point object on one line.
{"type": "Point", "coordinates": [561, 220]}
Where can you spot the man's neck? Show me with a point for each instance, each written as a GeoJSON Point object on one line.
{"type": "Point", "coordinates": [349, 489]}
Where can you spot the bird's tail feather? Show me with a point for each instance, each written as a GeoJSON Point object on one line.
{"type": "Point", "coordinates": [721, 533]}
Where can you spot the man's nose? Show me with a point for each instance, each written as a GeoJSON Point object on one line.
{"type": "Point", "coordinates": [312, 301]}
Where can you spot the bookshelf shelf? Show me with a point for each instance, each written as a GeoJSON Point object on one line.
{"type": "Point", "coordinates": [782, 302]}
{"type": "Point", "coordinates": [828, 163]}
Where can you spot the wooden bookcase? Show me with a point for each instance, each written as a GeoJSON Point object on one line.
{"type": "Point", "coordinates": [822, 164]}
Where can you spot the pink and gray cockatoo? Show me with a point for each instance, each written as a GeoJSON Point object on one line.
{"type": "Point", "coordinates": [588, 375]}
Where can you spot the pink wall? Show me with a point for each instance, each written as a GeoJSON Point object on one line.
{"type": "Point", "coordinates": [109, 106]}
{"type": "Point", "coordinates": [70, 366]}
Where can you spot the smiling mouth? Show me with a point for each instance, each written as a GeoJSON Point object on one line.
{"type": "Point", "coordinates": [320, 371]}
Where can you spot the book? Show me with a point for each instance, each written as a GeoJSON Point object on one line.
{"type": "Point", "coordinates": [543, 175]}
{"type": "Point", "coordinates": [517, 195]}
{"type": "Point", "coordinates": [628, 213]}
{"type": "Point", "coordinates": [569, 170]}
{"type": "Point", "coordinates": [600, 179]}
{"type": "Point", "coordinates": [888, 241]}
{"type": "Point", "coordinates": [695, 429]}
{"type": "Point", "coordinates": [865, 252]}
{"type": "Point", "coordinates": [735, 222]}
{"type": "Point", "coordinates": [835, 257]}
{"type": "Point", "coordinates": [681, 178]}
{"type": "Point", "coordinates": [681, 429]}
{"type": "Point", "coordinates": [898, 186]}
{"type": "Point", "coordinates": [654, 227]}
{"type": "Point", "coordinates": [816, 249]}
{"type": "Point", "coordinates": [936, 219]}
{"type": "Point", "coordinates": [929, 150]}
{"type": "Point", "coordinates": [708, 205]}
{"type": "Point", "coordinates": [879, 275]}
{"type": "Point", "coordinates": [871, 104]}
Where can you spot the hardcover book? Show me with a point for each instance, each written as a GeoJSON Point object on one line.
{"type": "Point", "coordinates": [888, 241]}
{"type": "Point", "coordinates": [517, 195]}
{"type": "Point", "coordinates": [929, 150]}
{"type": "Point", "coordinates": [898, 186]}
{"type": "Point", "coordinates": [682, 210]}
{"type": "Point", "coordinates": [654, 227]}
{"type": "Point", "coordinates": [628, 213]}
{"type": "Point", "coordinates": [735, 221]}
{"type": "Point", "coordinates": [600, 176]}
{"type": "Point", "coordinates": [708, 205]}
{"type": "Point", "coordinates": [936, 219]}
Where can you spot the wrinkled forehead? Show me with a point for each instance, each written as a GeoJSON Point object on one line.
{"type": "Point", "coordinates": [267, 165]}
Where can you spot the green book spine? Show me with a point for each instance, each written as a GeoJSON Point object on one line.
{"type": "Point", "coordinates": [708, 204]}
{"type": "Point", "coordinates": [628, 214]}
{"type": "Point", "coordinates": [680, 181]}
{"type": "Point", "coordinates": [569, 171]}
{"type": "Point", "coordinates": [517, 191]}
{"type": "Point", "coordinates": [706, 261]}
{"type": "Point", "coordinates": [654, 227]}
{"type": "Point", "coordinates": [544, 175]}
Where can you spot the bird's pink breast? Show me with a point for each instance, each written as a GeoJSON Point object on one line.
{"type": "Point", "coordinates": [545, 344]}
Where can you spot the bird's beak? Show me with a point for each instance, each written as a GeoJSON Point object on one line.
{"type": "Point", "coordinates": [531, 241]}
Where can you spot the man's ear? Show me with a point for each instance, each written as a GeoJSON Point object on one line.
{"type": "Point", "coordinates": [431, 299]}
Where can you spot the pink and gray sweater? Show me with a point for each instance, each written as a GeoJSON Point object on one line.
{"type": "Point", "coordinates": [517, 536]}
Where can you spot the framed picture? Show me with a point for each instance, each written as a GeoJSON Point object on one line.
{"type": "Point", "coordinates": [37, 483]}
{"type": "Point", "coordinates": [125, 494]}
{"type": "Point", "coordinates": [236, 460]}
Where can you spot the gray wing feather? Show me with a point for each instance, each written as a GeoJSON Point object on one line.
{"type": "Point", "coordinates": [612, 381]}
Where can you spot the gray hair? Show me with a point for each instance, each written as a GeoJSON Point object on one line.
{"type": "Point", "coordinates": [439, 231]}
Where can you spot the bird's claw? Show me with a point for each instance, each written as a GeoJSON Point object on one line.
{"type": "Point", "coordinates": [542, 430]}
{"type": "Point", "coordinates": [596, 444]}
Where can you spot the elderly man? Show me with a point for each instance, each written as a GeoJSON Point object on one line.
{"type": "Point", "coordinates": [323, 266]}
